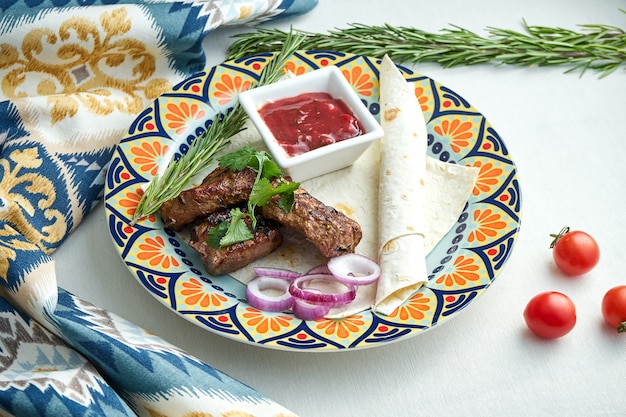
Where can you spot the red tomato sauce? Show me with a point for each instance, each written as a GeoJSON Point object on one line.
{"type": "Point", "coordinates": [309, 121]}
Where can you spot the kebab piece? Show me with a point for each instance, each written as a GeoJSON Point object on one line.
{"type": "Point", "coordinates": [329, 230]}
{"type": "Point", "coordinates": [266, 239]}
{"type": "Point", "coordinates": [220, 189]}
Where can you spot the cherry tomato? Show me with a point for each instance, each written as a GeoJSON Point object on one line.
{"type": "Point", "coordinates": [575, 252]}
{"type": "Point", "coordinates": [550, 314]}
{"type": "Point", "coordinates": [614, 308]}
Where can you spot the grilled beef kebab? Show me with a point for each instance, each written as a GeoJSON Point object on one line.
{"type": "Point", "coordinates": [329, 230]}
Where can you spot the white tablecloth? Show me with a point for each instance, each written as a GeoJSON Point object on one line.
{"type": "Point", "coordinates": [566, 135]}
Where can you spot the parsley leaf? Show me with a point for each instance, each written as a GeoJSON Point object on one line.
{"type": "Point", "coordinates": [262, 191]}
{"type": "Point", "coordinates": [238, 230]}
{"type": "Point", "coordinates": [240, 159]}
{"type": "Point", "coordinates": [270, 168]}
{"type": "Point", "coordinates": [216, 234]}
{"type": "Point", "coordinates": [247, 156]}
{"type": "Point", "coordinates": [285, 202]}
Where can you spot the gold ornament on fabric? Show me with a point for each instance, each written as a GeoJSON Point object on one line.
{"type": "Point", "coordinates": [84, 64]}
{"type": "Point", "coordinates": [20, 207]}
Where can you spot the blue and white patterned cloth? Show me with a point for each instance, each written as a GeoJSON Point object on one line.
{"type": "Point", "coordinates": [73, 76]}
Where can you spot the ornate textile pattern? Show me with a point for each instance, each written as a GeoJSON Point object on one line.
{"type": "Point", "coordinates": [41, 373]}
{"type": "Point", "coordinates": [74, 74]}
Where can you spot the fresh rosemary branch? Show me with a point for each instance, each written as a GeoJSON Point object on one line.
{"type": "Point", "coordinates": [215, 139]}
{"type": "Point", "coordinates": [599, 48]}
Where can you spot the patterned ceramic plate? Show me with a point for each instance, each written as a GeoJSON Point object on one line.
{"type": "Point", "coordinates": [461, 267]}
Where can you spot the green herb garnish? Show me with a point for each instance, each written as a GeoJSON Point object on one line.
{"type": "Point", "coordinates": [599, 48]}
{"type": "Point", "coordinates": [229, 232]}
{"type": "Point", "coordinates": [236, 230]}
{"type": "Point", "coordinates": [214, 140]}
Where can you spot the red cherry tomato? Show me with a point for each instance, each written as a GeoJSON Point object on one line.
{"type": "Point", "coordinates": [575, 252]}
{"type": "Point", "coordinates": [550, 314]}
{"type": "Point", "coordinates": [614, 308]}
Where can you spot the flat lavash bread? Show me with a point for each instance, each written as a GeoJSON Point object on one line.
{"type": "Point", "coordinates": [448, 187]}
{"type": "Point", "coordinates": [402, 191]}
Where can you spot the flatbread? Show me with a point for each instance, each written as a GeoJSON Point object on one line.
{"type": "Point", "coordinates": [402, 189]}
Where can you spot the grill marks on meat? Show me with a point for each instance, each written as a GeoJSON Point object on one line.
{"type": "Point", "coordinates": [231, 258]}
{"type": "Point", "coordinates": [329, 230]}
{"type": "Point", "coordinates": [208, 204]}
{"type": "Point", "coordinates": [221, 188]}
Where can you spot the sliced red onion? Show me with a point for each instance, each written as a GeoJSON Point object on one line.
{"type": "Point", "coordinates": [266, 271]}
{"type": "Point", "coordinates": [307, 311]}
{"type": "Point", "coordinates": [322, 289]}
{"type": "Point", "coordinates": [269, 294]}
{"type": "Point", "coordinates": [354, 269]}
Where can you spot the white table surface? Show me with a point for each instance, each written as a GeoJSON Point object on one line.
{"type": "Point", "coordinates": [566, 135]}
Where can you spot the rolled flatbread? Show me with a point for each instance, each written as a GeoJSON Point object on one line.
{"type": "Point", "coordinates": [402, 191]}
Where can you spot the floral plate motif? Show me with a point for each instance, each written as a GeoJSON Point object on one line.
{"type": "Point", "coordinates": [461, 267]}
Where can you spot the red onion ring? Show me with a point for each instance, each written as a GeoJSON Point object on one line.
{"type": "Point", "coordinates": [354, 269]}
{"type": "Point", "coordinates": [301, 288]}
{"type": "Point", "coordinates": [266, 271]}
{"type": "Point", "coordinates": [259, 297]}
{"type": "Point", "coordinates": [312, 295]}
{"type": "Point", "coordinates": [307, 311]}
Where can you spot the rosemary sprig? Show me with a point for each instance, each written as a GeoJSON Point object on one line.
{"type": "Point", "coordinates": [599, 48]}
{"type": "Point", "coordinates": [215, 139]}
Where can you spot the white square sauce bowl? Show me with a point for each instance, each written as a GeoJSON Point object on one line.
{"type": "Point", "coordinates": [337, 112]}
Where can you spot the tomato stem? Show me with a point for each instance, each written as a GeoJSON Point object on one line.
{"type": "Point", "coordinates": [622, 327]}
{"type": "Point", "coordinates": [558, 236]}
